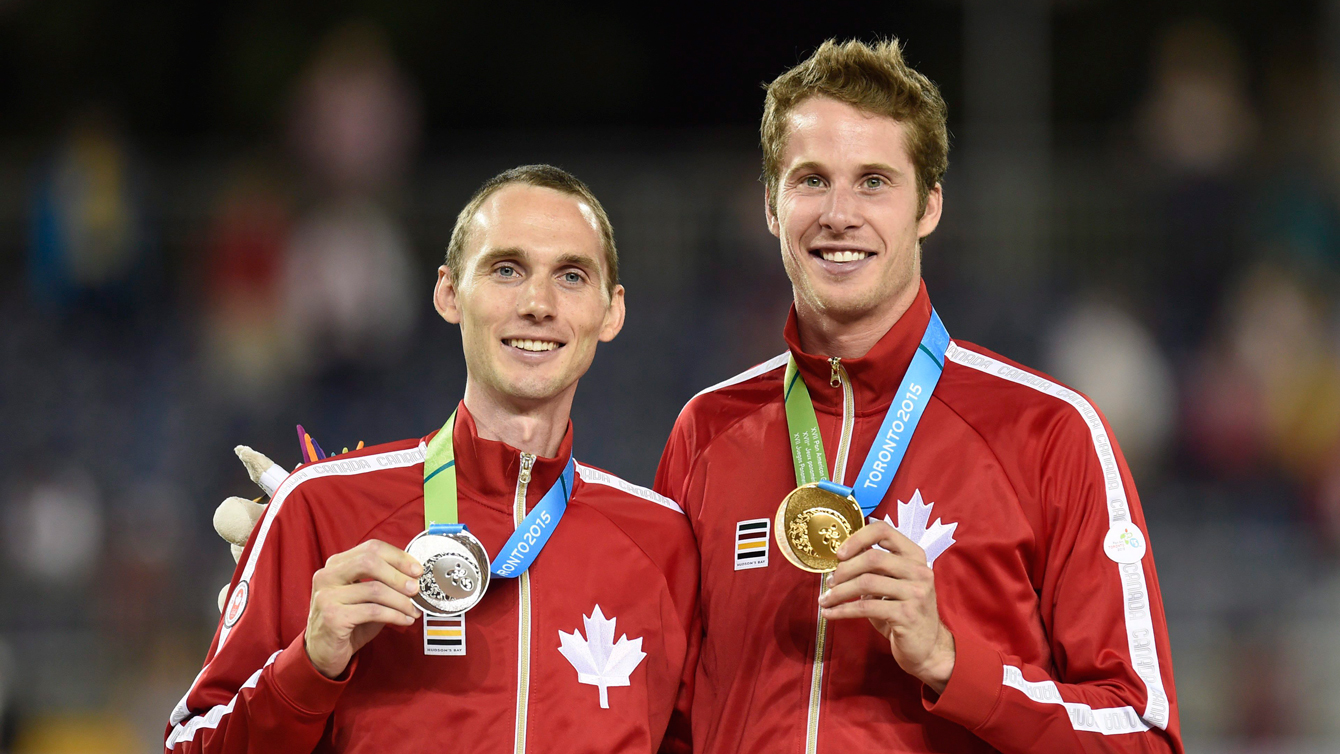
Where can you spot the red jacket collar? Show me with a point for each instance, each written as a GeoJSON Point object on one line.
{"type": "Point", "coordinates": [874, 377]}
{"type": "Point", "coordinates": [487, 470]}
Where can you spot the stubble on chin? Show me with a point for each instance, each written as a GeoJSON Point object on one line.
{"type": "Point", "coordinates": [852, 301]}
{"type": "Point", "coordinates": [846, 306]}
{"type": "Point", "coordinates": [835, 302]}
{"type": "Point", "coordinates": [534, 389]}
{"type": "Point", "coordinates": [509, 384]}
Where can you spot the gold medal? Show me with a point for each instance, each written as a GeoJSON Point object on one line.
{"type": "Point", "coordinates": [812, 523]}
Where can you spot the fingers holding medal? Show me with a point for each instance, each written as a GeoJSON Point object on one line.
{"type": "Point", "coordinates": [878, 562]}
{"type": "Point", "coordinates": [883, 576]}
{"type": "Point", "coordinates": [358, 592]}
{"type": "Point", "coordinates": [875, 573]}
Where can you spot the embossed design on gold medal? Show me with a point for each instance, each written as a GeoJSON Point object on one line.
{"type": "Point", "coordinates": [818, 532]}
{"type": "Point", "coordinates": [812, 523]}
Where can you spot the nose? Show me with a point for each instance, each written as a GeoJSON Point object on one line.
{"type": "Point", "coordinates": [537, 302]}
{"type": "Point", "coordinates": [841, 210]}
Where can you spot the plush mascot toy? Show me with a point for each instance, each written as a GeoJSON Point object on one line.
{"type": "Point", "coordinates": [236, 517]}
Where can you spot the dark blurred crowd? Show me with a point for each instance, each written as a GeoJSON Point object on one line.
{"type": "Point", "coordinates": [1181, 267]}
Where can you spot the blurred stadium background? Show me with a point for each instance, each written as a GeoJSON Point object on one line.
{"type": "Point", "coordinates": [220, 220]}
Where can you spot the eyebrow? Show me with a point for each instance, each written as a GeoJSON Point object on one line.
{"type": "Point", "coordinates": [497, 255]}
{"type": "Point", "coordinates": [869, 167]}
{"type": "Point", "coordinates": [579, 260]}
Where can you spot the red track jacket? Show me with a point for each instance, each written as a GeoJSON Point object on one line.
{"type": "Point", "coordinates": [1059, 647]}
{"type": "Point", "coordinates": [621, 550]}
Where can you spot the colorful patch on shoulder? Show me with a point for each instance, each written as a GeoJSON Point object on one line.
{"type": "Point", "coordinates": [444, 636]}
{"type": "Point", "coordinates": [237, 604]}
{"type": "Point", "coordinates": [1124, 543]}
{"type": "Point", "coordinates": [751, 543]}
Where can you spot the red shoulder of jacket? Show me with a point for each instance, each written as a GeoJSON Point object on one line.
{"type": "Point", "coordinates": [713, 410]}
{"type": "Point", "coordinates": [368, 484]}
{"type": "Point", "coordinates": [654, 523]}
{"type": "Point", "coordinates": [1004, 401]}
{"type": "Point", "coordinates": [632, 508]}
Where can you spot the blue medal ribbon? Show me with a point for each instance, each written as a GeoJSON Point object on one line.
{"type": "Point", "coordinates": [531, 535]}
{"type": "Point", "coordinates": [900, 421]}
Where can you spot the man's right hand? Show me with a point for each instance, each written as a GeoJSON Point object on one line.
{"type": "Point", "coordinates": [358, 592]}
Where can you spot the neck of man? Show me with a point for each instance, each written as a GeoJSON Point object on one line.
{"type": "Point", "coordinates": [531, 426]}
{"type": "Point", "coordinates": [851, 336]}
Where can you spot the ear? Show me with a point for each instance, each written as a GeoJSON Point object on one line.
{"type": "Point", "coordinates": [445, 296]}
{"type": "Point", "coordinates": [613, 316]}
{"type": "Point", "coordinates": [930, 219]}
{"type": "Point", "coordinates": [770, 212]}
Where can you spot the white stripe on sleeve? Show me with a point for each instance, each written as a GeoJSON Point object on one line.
{"type": "Point", "coordinates": [1109, 721]}
{"type": "Point", "coordinates": [775, 362]}
{"type": "Point", "coordinates": [1139, 622]}
{"type": "Point", "coordinates": [596, 476]}
{"type": "Point", "coordinates": [186, 731]}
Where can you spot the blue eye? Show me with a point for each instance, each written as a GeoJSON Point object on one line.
{"type": "Point", "coordinates": [507, 271]}
{"type": "Point", "coordinates": [572, 277]}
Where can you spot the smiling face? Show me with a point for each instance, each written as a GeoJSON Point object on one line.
{"type": "Point", "coordinates": [531, 297]}
{"type": "Point", "coordinates": [846, 215]}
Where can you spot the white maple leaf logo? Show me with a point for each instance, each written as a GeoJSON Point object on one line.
{"type": "Point", "coordinates": [912, 518]}
{"type": "Point", "coordinates": [598, 659]}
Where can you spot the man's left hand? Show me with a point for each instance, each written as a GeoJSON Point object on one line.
{"type": "Point", "coordinates": [895, 589]}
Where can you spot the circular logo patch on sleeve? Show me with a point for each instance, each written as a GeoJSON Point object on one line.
{"type": "Point", "coordinates": [1124, 543]}
{"type": "Point", "coordinates": [236, 604]}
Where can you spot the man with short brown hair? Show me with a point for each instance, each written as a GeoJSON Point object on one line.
{"type": "Point", "coordinates": [475, 589]}
{"type": "Point", "coordinates": [962, 564]}
{"type": "Point", "coordinates": [538, 176]}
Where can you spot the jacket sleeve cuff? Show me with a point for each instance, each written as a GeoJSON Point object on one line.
{"type": "Point", "coordinates": [974, 685]}
{"type": "Point", "coordinates": [302, 685]}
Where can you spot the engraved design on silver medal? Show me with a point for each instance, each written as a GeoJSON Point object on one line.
{"type": "Point", "coordinates": [455, 572]}
{"type": "Point", "coordinates": [447, 577]}
{"type": "Point", "coordinates": [460, 578]}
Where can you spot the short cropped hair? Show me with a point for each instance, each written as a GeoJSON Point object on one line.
{"type": "Point", "coordinates": [875, 79]}
{"type": "Point", "coordinates": [541, 176]}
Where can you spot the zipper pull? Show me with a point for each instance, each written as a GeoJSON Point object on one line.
{"type": "Point", "coordinates": [833, 379]}
{"type": "Point", "coordinates": [527, 461]}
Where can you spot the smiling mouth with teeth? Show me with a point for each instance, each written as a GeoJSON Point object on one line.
{"type": "Point", "coordinates": [830, 255]}
{"type": "Point", "coordinates": [526, 344]}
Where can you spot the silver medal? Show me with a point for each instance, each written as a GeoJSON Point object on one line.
{"type": "Point", "coordinates": [455, 572]}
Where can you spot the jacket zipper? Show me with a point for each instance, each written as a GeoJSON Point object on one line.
{"type": "Point", "coordinates": [523, 626]}
{"type": "Point", "coordinates": [837, 378]}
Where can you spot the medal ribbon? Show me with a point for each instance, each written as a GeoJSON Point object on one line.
{"type": "Point", "coordinates": [440, 514]}
{"type": "Point", "coordinates": [895, 432]}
